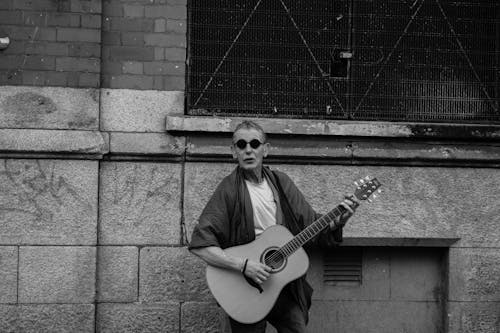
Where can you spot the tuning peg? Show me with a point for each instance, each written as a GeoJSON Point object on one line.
{"type": "Point", "coordinates": [362, 181]}
{"type": "Point", "coordinates": [369, 200]}
{"type": "Point", "coordinates": [356, 183]}
{"type": "Point", "coordinates": [367, 177]}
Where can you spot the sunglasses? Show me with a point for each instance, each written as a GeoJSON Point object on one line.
{"type": "Point", "coordinates": [242, 144]}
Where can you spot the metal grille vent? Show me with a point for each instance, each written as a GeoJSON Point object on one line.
{"type": "Point", "coordinates": [343, 266]}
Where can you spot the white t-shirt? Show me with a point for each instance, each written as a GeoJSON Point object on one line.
{"type": "Point", "coordinates": [263, 204]}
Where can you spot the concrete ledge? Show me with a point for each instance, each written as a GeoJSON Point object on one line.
{"type": "Point", "coordinates": [399, 242]}
{"type": "Point", "coordinates": [123, 143]}
{"type": "Point", "coordinates": [333, 150]}
{"type": "Point", "coordinates": [290, 147]}
{"type": "Point", "coordinates": [16, 142]}
{"type": "Point", "coordinates": [181, 123]}
{"type": "Point", "coordinates": [426, 151]}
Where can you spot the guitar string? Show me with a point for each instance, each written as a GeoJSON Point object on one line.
{"type": "Point", "coordinates": [277, 256]}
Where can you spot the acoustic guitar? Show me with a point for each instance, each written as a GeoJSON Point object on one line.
{"type": "Point", "coordinates": [248, 302]}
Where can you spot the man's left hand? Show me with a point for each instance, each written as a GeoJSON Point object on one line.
{"type": "Point", "coordinates": [350, 205]}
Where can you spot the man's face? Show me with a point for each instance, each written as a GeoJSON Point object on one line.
{"type": "Point", "coordinates": [250, 159]}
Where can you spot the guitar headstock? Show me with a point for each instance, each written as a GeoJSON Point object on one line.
{"type": "Point", "coordinates": [366, 187]}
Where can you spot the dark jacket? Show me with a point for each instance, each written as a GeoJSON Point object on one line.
{"type": "Point", "coordinates": [227, 220]}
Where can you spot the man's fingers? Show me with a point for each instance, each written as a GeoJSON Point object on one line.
{"type": "Point", "coordinates": [262, 278]}
{"type": "Point", "coordinates": [263, 274]}
{"type": "Point", "coordinates": [353, 204]}
{"type": "Point", "coordinates": [346, 206]}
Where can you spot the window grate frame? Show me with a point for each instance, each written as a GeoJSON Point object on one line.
{"type": "Point", "coordinates": [474, 100]}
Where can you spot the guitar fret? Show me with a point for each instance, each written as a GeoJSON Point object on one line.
{"type": "Point", "coordinates": [317, 226]}
{"type": "Point", "coordinates": [310, 232]}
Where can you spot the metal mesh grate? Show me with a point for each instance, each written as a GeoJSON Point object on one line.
{"type": "Point", "coordinates": [343, 266]}
{"type": "Point", "coordinates": [418, 60]}
{"type": "Point", "coordinates": [429, 60]}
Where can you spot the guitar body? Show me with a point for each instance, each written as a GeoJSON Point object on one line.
{"type": "Point", "coordinates": [242, 301]}
{"type": "Point", "coordinates": [248, 302]}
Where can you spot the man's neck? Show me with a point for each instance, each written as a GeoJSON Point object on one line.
{"type": "Point", "coordinates": [255, 176]}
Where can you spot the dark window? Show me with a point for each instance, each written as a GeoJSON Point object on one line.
{"type": "Point", "coordinates": [399, 60]}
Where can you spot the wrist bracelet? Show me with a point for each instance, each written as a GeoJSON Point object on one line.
{"type": "Point", "coordinates": [244, 266]}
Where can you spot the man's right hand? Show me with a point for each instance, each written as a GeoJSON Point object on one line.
{"type": "Point", "coordinates": [257, 271]}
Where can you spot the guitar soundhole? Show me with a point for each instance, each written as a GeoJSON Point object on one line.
{"type": "Point", "coordinates": [274, 259]}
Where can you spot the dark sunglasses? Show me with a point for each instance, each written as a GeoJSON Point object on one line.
{"type": "Point", "coordinates": [242, 144]}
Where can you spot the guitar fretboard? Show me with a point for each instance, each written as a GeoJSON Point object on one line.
{"type": "Point", "coordinates": [311, 231]}
{"type": "Point", "coordinates": [363, 192]}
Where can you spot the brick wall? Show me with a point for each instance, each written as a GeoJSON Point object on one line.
{"type": "Point", "coordinates": [70, 43]}
{"type": "Point", "coordinates": [144, 44]}
{"type": "Point", "coordinates": [53, 43]}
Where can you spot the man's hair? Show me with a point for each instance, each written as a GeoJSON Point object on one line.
{"type": "Point", "coordinates": [248, 124]}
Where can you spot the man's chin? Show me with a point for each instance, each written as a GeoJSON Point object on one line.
{"type": "Point", "coordinates": [249, 166]}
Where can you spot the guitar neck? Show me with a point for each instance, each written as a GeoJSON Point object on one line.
{"type": "Point", "coordinates": [312, 231]}
{"type": "Point", "coordinates": [363, 192]}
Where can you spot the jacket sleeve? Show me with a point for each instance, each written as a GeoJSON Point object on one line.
{"type": "Point", "coordinates": [212, 228]}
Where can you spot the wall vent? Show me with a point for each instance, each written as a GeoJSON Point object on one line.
{"type": "Point", "coordinates": [343, 266]}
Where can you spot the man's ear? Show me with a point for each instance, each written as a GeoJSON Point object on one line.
{"type": "Point", "coordinates": [266, 148]}
{"type": "Point", "coordinates": [233, 151]}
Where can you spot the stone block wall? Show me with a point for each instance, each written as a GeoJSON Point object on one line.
{"type": "Point", "coordinates": [97, 199]}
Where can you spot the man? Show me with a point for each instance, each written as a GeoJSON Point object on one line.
{"type": "Point", "coordinates": [244, 204]}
